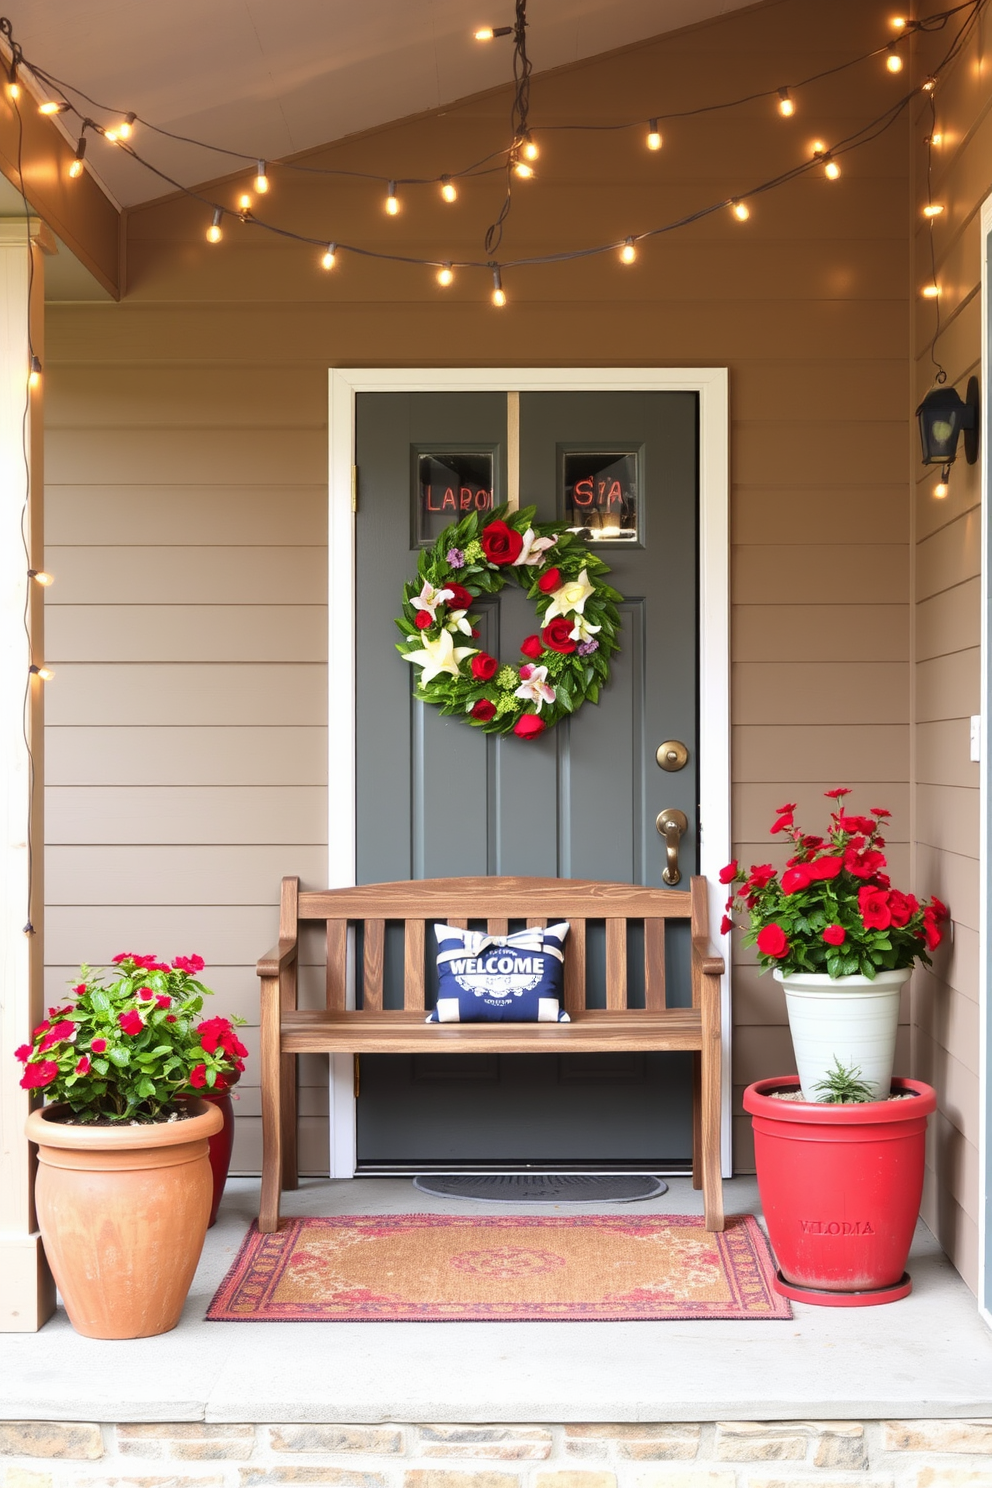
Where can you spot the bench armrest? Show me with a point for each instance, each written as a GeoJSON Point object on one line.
{"type": "Point", "coordinates": [709, 964]}
{"type": "Point", "coordinates": [281, 955]}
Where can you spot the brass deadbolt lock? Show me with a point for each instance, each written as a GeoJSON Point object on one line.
{"type": "Point", "coordinates": [672, 755]}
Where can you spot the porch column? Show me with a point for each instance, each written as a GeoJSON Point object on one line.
{"type": "Point", "coordinates": [27, 1293]}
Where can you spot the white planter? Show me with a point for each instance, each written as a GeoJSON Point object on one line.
{"type": "Point", "coordinates": [848, 1018]}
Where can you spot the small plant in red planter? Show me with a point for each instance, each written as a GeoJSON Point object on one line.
{"type": "Point", "coordinates": [124, 1175]}
{"type": "Point", "coordinates": [839, 937]}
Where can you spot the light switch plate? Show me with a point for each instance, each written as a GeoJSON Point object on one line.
{"type": "Point", "coordinates": [976, 736]}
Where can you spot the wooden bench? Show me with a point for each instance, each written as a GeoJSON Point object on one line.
{"type": "Point", "coordinates": [338, 1028]}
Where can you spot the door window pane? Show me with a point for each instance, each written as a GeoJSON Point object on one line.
{"type": "Point", "coordinates": [449, 485]}
{"type": "Point", "coordinates": [601, 491]}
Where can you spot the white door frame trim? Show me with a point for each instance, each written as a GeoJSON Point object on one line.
{"type": "Point", "coordinates": [711, 384]}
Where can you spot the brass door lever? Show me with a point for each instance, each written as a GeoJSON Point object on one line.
{"type": "Point", "coordinates": [671, 824]}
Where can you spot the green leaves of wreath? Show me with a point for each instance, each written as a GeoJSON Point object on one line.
{"type": "Point", "coordinates": [566, 661]}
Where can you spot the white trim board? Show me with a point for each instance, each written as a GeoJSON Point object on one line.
{"type": "Point", "coordinates": [711, 384]}
{"type": "Point", "coordinates": [985, 805]}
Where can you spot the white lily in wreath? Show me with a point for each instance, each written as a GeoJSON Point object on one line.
{"type": "Point", "coordinates": [440, 655]}
{"type": "Point", "coordinates": [533, 550]}
{"type": "Point", "coordinates": [582, 630]}
{"type": "Point", "coordinates": [571, 596]}
{"type": "Point", "coordinates": [458, 620]}
{"type": "Point", "coordinates": [534, 686]}
{"type": "Point", "coordinates": [429, 598]}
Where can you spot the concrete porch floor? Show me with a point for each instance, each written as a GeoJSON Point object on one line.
{"type": "Point", "coordinates": [929, 1355]}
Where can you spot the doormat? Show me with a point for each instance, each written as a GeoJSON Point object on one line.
{"type": "Point", "coordinates": [543, 1188]}
{"type": "Point", "coordinates": [434, 1268]}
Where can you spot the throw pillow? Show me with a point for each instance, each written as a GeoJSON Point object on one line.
{"type": "Point", "coordinates": [515, 978]}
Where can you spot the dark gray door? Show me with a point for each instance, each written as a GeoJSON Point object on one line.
{"type": "Point", "coordinates": [436, 798]}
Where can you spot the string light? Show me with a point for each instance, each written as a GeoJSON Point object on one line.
{"type": "Point", "coordinates": [54, 106]}
{"type": "Point", "coordinates": [930, 291]}
{"type": "Point", "coordinates": [654, 138]}
{"type": "Point", "coordinates": [531, 152]}
{"type": "Point", "coordinates": [41, 577]}
{"type": "Point", "coordinates": [898, 23]}
{"type": "Point", "coordinates": [13, 86]}
{"type": "Point", "coordinates": [628, 252]}
{"type": "Point", "coordinates": [523, 170]}
{"type": "Point", "coordinates": [933, 210]}
{"type": "Point", "coordinates": [935, 139]}
{"type": "Point", "coordinates": [894, 62]}
{"type": "Point", "coordinates": [486, 33]}
{"type": "Point", "coordinates": [45, 673]}
{"type": "Point", "coordinates": [942, 487]}
{"type": "Point", "coordinates": [261, 179]}
{"type": "Point", "coordinates": [244, 202]}
{"type": "Point", "coordinates": [215, 232]}
{"type": "Point", "coordinates": [34, 376]}
{"type": "Point", "coordinates": [449, 192]}
{"type": "Point", "coordinates": [786, 105]}
{"type": "Point", "coordinates": [830, 167]}
{"type": "Point", "coordinates": [929, 85]}
{"type": "Point", "coordinates": [327, 262]}
{"type": "Point", "coordinates": [499, 294]}
{"type": "Point", "coordinates": [740, 210]}
{"type": "Point", "coordinates": [126, 129]}
{"type": "Point", "coordinates": [76, 167]}
{"type": "Point", "coordinates": [392, 200]}
{"type": "Point", "coordinates": [445, 275]}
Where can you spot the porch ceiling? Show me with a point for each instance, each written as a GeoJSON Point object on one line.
{"type": "Point", "coordinates": [280, 76]}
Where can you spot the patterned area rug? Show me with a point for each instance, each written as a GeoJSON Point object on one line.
{"type": "Point", "coordinates": [433, 1268]}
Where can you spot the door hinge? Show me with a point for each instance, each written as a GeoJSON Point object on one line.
{"type": "Point", "coordinates": [354, 488]}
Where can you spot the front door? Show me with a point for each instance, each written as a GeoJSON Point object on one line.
{"type": "Point", "coordinates": [436, 798]}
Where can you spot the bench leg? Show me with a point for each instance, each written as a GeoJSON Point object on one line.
{"type": "Point", "coordinates": [271, 1079]}
{"type": "Point", "coordinates": [697, 1121]}
{"type": "Point", "coordinates": [287, 1119]}
{"type": "Point", "coordinates": [710, 1143]}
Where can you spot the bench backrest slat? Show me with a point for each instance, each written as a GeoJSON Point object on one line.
{"type": "Point", "coordinates": [420, 902]}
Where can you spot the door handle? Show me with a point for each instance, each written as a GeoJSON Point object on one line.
{"type": "Point", "coordinates": [671, 825]}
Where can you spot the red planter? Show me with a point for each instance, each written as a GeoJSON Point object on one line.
{"type": "Point", "coordinates": [221, 1146]}
{"type": "Point", "coordinates": [840, 1190]}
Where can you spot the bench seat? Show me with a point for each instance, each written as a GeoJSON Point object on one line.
{"type": "Point", "coordinates": [402, 1032]}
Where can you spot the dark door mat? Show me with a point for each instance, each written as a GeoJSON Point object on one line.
{"type": "Point", "coordinates": [544, 1188]}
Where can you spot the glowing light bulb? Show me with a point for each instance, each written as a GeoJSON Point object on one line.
{"type": "Point", "coordinates": [45, 673]}
{"type": "Point", "coordinates": [499, 295]}
{"type": "Point", "coordinates": [831, 169]}
{"type": "Point", "coordinates": [261, 179]}
{"type": "Point", "coordinates": [13, 86]}
{"type": "Point", "coordinates": [523, 170]}
{"type": "Point", "coordinates": [215, 232]}
{"type": "Point", "coordinates": [327, 261]}
{"type": "Point", "coordinates": [126, 128]}
{"type": "Point", "coordinates": [628, 252]}
{"type": "Point", "coordinates": [898, 23]}
{"type": "Point", "coordinates": [894, 62]}
{"type": "Point", "coordinates": [40, 577]}
{"type": "Point", "coordinates": [53, 106]}
{"type": "Point", "coordinates": [654, 138]}
{"type": "Point", "coordinates": [531, 152]}
{"type": "Point", "coordinates": [929, 85]}
{"type": "Point", "coordinates": [76, 167]}
{"type": "Point", "coordinates": [485, 33]}
{"type": "Point", "coordinates": [740, 210]}
{"type": "Point", "coordinates": [786, 105]}
{"type": "Point", "coordinates": [930, 291]}
{"type": "Point", "coordinates": [445, 275]}
{"type": "Point", "coordinates": [34, 376]}
{"type": "Point", "coordinates": [244, 201]}
{"type": "Point", "coordinates": [817, 148]}
{"type": "Point", "coordinates": [933, 210]}
{"type": "Point", "coordinates": [449, 191]}
{"type": "Point", "coordinates": [941, 489]}
{"type": "Point", "coordinates": [936, 139]}
{"type": "Point", "coordinates": [392, 200]}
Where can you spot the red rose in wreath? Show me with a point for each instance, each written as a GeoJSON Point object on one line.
{"type": "Point", "coordinates": [500, 543]}
{"type": "Point", "coordinates": [528, 726]}
{"type": "Point", "coordinates": [484, 666]}
{"type": "Point", "coordinates": [484, 710]}
{"type": "Point", "coordinates": [422, 620]}
{"type": "Point", "coordinates": [532, 647]}
{"type": "Point", "coordinates": [550, 581]}
{"type": "Point", "coordinates": [460, 597]}
{"type": "Point", "coordinates": [557, 635]}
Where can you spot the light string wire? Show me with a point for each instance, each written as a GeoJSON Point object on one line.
{"type": "Point", "coordinates": [16, 58]}
{"type": "Point", "coordinates": [971, 9]}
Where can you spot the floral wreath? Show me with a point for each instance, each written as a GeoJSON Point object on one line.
{"type": "Point", "coordinates": [567, 661]}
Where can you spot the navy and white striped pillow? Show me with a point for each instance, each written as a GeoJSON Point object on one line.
{"type": "Point", "coordinates": [515, 978]}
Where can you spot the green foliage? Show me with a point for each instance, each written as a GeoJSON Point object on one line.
{"type": "Point", "coordinates": [843, 1086]}
{"type": "Point", "coordinates": [125, 1048]}
{"type": "Point", "coordinates": [574, 678]}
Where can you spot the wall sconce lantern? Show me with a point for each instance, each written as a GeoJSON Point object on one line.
{"type": "Point", "coordinates": [943, 416]}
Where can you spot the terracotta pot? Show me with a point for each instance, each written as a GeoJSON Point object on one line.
{"type": "Point", "coordinates": [840, 1190]}
{"type": "Point", "coordinates": [221, 1146]}
{"type": "Point", "coordinates": [123, 1212]}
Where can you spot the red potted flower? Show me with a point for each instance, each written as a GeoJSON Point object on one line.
{"type": "Point", "coordinates": [212, 1080]}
